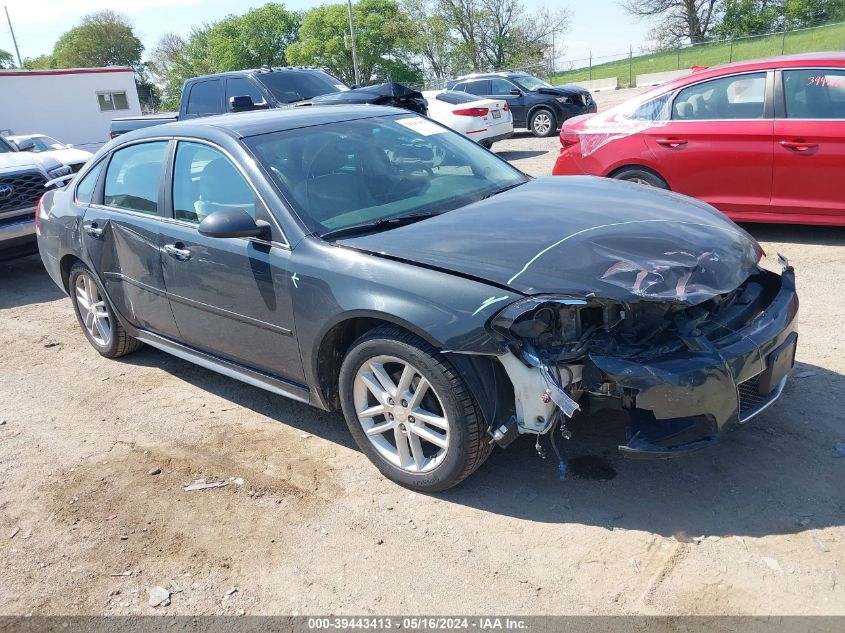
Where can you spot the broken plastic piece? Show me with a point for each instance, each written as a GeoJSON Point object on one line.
{"type": "Point", "coordinates": [557, 393]}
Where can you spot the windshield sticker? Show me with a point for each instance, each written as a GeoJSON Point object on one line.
{"type": "Point", "coordinates": [341, 87]}
{"type": "Point", "coordinates": [421, 126]}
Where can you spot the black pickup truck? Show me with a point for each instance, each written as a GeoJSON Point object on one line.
{"type": "Point", "coordinates": [266, 87]}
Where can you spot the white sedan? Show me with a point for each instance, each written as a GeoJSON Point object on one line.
{"type": "Point", "coordinates": [41, 144]}
{"type": "Point", "coordinates": [483, 120]}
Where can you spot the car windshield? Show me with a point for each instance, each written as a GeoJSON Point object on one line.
{"type": "Point", "coordinates": [352, 173]}
{"type": "Point", "coordinates": [531, 83]}
{"type": "Point", "coordinates": [5, 147]}
{"type": "Point", "coordinates": [291, 86]}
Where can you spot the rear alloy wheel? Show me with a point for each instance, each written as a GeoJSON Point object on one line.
{"type": "Point", "coordinates": [410, 412]}
{"type": "Point", "coordinates": [98, 321]}
{"type": "Point", "coordinates": [542, 123]}
{"type": "Point", "coordinates": [641, 177]}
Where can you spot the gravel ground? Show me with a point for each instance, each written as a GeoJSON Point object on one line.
{"type": "Point", "coordinates": [306, 525]}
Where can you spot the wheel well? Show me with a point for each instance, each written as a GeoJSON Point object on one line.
{"type": "Point", "coordinates": [333, 349]}
{"type": "Point", "coordinates": [618, 170]}
{"type": "Point", "coordinates": [541, 106]}
{"type": "Point", "coordinates": [65, 265]}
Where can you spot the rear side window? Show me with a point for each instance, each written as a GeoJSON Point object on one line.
{"type": "Point", "coordinates": [814, 93]}
{"type": "Point", "coordinates": [654, 110]}
{"type": "Point", "coordinates": [735, 97]}
{"type": "Point", "coordinates": [203, 98]}
{"type": "Point", "coordinates": [243, 87]}
{"type": "Point", "coordinates": [85, 189]}
{"type": "Point", "coordinates": [133, 177]}
{"type": "Point", "coordinates": [205, 181]}
{"type": "Point", "coordinates": [477, 87]}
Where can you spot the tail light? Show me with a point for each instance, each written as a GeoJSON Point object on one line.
{"type": "Point", "coordinates": [472, 112]}
{"type": "Point", "coordinates": [568, 138]}
{"type": "Point", "coordinates": [507, 107]}
{"type": "Point", "coordinates": [38, 216]}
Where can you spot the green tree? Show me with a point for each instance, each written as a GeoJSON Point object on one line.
{"type": "Point", "coordinates": [175, 59]}
{"type": "Point", "coordinates": [382, 41]}
{"type": "Point", "coordinates": [40, 62]}
{"type": "Point", "coordinates": [6, 60]}
{"type": "Point", "coordinates": [804, 13]}
{"type": "Point", "coordinates": [749, 17]}
{"type": "Point", "coordinates": [103, 38]}
{"type": "Point", "coordinates": [691, 20]}
{"type": "Point", "coordinates": [257, 37]}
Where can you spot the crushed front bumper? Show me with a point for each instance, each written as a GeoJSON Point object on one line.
{"type": "Point", "coordinates": [680, 403]}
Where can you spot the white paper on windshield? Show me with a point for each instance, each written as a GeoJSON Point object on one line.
{"type": "Point", "coordinates": [341, 87]}
{"type": "Point", "coordinates": [421, 126]}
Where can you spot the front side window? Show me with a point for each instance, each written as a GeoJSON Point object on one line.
{"type": "Point", "coordinates": [501, 87]}
{"type": "Point", "coordinates": [735, 97]}
{"type": "Point", "coordinates": [112, 101]}
{"type": "Point", "coordinates": [243, 87]}
{"type": "Point", "coordinates": [348, 173]}
{"type": "Point", "coordinates": [205, 181]}
{"type": "Point", "coordinates": [814, 93]}
{"type": "Point", "coordinates": [203, 98]}
{"type": "Point", "coordinates": [133, 177]}
{"type": "Point", "coordinates": [85, 189]}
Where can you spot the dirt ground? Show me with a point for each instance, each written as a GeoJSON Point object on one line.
{"type": "Point", "coordinates": [753, 525]}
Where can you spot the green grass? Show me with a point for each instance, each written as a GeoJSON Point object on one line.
{"type": "Point", "coordinates": [824, 38]}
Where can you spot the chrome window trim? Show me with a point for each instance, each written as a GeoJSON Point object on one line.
{"type": "Point", "coordinates": [160, 217]}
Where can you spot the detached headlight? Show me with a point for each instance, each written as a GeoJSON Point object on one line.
{"type": "Point", "coordinates": [564, 99]}
{"type": "Point", "coordinates": [64, 170]}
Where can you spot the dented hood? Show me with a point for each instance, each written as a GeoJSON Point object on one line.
{"type": "Point", "coordinates": [580, 236]}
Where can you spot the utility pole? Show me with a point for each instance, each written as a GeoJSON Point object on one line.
{"type": "Point", "coordinates": [354, 49]}
{"type": "Point", "coordinates": [14, 40]}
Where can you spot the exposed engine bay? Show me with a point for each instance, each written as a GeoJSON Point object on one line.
{"type": "Point", "coordinates": [668, 363]}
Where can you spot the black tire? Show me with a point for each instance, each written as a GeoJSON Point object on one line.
{"type": "Point", "coordinates": [486, 144]}
{"type": "Point", "coordinates": [468, 444]}
{"type": "Point", "coordinates": [118, 342]}
{"type": "Point", "coordinates": [642, 176]}
{"type": "Point", "coordinates": [542, 123]}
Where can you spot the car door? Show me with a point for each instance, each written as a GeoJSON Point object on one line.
{"type": "Point", "coordinates": [809, 143]}
{"type": "Point", "coordinates": [503, 89]}
{"type": "Point", "coordinates": [231, 297]}
{"type": "Point", "coordinates": [120, 232]}
{"type": "Point", "coordinates": [716, 146]}
{"type": "Point", "coordinates": [204, 98]}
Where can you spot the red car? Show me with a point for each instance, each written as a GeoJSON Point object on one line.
{"type": "Point", "coordinates": [763, 141]}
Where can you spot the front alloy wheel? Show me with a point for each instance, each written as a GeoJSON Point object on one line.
{"type": "Point", "coordinates": [401, 414]}
{"type": "Point", "coordinates": [543, 123]}
{"type": "Point", "coordinates": [410, 412]}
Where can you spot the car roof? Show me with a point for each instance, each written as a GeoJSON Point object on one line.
{"type": "Point", "coordinates": [503, 73]}
{"type": "Point", "coordinates": [244, 124]}
{"type": "Point", "coordinates": [263, 71]}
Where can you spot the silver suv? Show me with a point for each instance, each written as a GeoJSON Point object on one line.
{"type": "Point", "coordinates": [24, 178]}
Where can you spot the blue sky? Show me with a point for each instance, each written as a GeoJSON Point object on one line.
{"type": "Point", "coordinates": [598, 25]}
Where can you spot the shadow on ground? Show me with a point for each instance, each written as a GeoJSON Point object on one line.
{"type": "Point", "coordinates": [792, 234]}
{"type": "Point", "coordinates": [25, 281]}
{"type": "Point", "coordinates": [520, 154]}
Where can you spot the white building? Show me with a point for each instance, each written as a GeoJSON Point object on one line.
{"type": "Point", "coordinates": [72, 105]}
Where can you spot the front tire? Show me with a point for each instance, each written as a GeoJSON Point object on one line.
{"type": "Point", "coordinates": [542, 123]}
{"type": "Point", "coordinates": [410, 412]}
{"type": "Point", "coordinates": [96, 317]}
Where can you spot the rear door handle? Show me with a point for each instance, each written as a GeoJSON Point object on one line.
{"type": "Point", "coordinates": [799, 146]}
{"type": "Point", "coordinates": [177, 251]}
{"type": "Point", "coordinates": [670, 142]}
{"type": "Point", "coordinates": [93, 230]}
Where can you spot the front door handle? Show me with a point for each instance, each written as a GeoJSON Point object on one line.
{"type": "Point", "coordinates": [93, 230]}
{"type": "Point", "coordinates": [799, 146]}
{"type": "Point", "coordinates": [177, 251]}
{"type": "Point", "coordinates": [670, 142]}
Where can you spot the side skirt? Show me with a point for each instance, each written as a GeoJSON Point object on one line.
{"type": "Point", "coordinates": [291, 390]}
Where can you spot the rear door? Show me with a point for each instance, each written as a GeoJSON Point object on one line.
{"type": "Point", "coordinates": [120, 231]}
{"type": "Point", "coordinates": [809, 143]}
{"type": "Point", "coordinates": [231, 297]}
{"type": "Point", "coordinates": [501, 89]}
{"type": "Point", "coordinates": [717, 144]}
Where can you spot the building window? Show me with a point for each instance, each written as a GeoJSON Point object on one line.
{"type": "Point", "coordinates": [112, 101]}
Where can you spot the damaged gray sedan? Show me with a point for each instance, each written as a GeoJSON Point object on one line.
{"type": "Point", "coordinates": [371, 260]}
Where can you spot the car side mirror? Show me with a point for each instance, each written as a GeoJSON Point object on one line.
{"type": "Point", "coordinates": [516, 92]}
{"type": "Point", "coordinates": [233, 223]}
{"type": "Point", "coordinates": [355, 86]}
{"type": "Point", "coordinates": [241, 104]}
{"type": "Point", "coordinates": [26, 145]}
